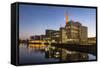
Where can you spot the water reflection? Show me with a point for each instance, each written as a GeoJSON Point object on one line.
{"type": "Point", "coordinates": [65, 55]}
{"type": "Point", "coordinates": [42, 53]}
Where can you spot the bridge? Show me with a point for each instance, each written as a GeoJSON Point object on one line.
{"type": "Point", "coordinates": [91, 49]}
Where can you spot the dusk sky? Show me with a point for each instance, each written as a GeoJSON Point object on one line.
{"type": "Point", "coordinates": [34, 20]}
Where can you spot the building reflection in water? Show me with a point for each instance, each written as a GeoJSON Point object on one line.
{"type": "Point", "coordinates": [65, 55]}
{"type": "Point", "coordinates": [36, 48]}
{"type": "Point", "coordinates": [55, 53]}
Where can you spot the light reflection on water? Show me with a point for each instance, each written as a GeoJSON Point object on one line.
{"type": "Point", "coordinates": [33, 54]}
{"type": "Point", "coordinates": [36, 53]}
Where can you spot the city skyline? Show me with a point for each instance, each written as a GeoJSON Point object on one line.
{"type": "Point", "coordinates": [34, 20]}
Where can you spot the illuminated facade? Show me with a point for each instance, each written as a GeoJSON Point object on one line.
{"type": "Point", "coordinates": [92, 40]}
{"type": "Point", "coordinates": [63, 35]}
{"type": "Point", "coordinates": [73, 33]}
{"type": "Point", "coordinates": [53, 35]}
{"type": "Point", "coordinates": [76, 33]}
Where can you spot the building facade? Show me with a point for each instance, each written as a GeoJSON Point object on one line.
{"type": "Point", "coordinates": [72, 33]}
{"type": "Point", "coordinates": [92, 40]}
{"type": "Point", "coordinates": [76, 33]}
{"type": "Point", "coordinates": [83, 35]}
{"type": "Point", "coordinates": [53, 35]}
{"type": "Point", "coordinates": [63, 35]}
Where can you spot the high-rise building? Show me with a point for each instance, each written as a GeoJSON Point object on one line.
{"type": "Point", "coordinates": [76, 33]}
{"type": "Point", "coordinates": [83, 34]}
{"type": "Point", "coordinates": [63, 35]}
{"type": "Point", "coordinates": [73, 33]}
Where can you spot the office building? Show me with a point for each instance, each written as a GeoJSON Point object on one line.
{"type": "Point", "coordinates": [76, 33]}
{"type": "Point", "coordinates": [63, 35]}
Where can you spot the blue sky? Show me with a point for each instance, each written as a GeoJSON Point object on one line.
{"type": "Point", "coordinates": [34, 20]}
